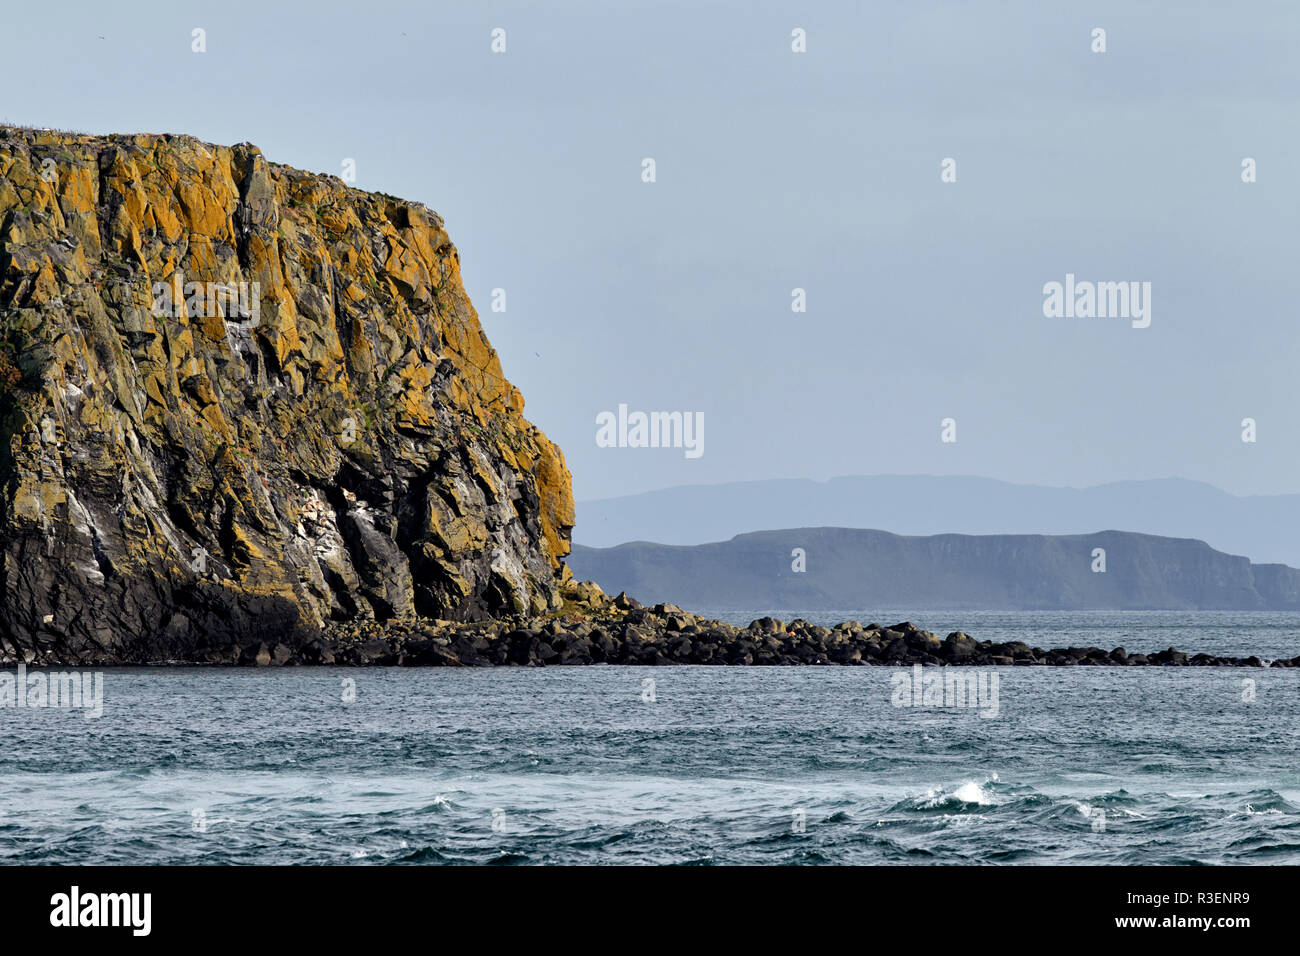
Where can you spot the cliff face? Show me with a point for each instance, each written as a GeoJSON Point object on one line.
{"type": "Point", "coordinates": [240, 401]}
{"type": "Point", "coordinates": [850, 569]}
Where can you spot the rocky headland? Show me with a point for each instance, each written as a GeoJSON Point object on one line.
{"type": "Point", "coordinates": [238, 400]}
{"type": "Point", "coordinates": [248, 416]}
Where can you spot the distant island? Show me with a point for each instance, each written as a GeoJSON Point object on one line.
{"type": "Point", "coordinates": [833, 569]}
{"type": "Point", "coordinates": [1259, 526]}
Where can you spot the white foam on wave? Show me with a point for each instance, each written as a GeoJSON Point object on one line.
{"type": "Point", "coordinates": [972, 792]}
{"type": "Point", "coordinates": [969, 792]}
{"type": "Point", "coordinates": [1111, 813]}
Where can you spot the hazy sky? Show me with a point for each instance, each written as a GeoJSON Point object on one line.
{"type": "Point", "coordinates": [777, 170]}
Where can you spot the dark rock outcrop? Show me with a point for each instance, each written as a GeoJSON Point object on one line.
{"type": "Point", "coordinates": [594, 629]}
{"type": "Point", "coordinates": [239, 403]}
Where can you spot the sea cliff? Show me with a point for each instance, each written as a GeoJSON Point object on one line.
{"type": "Point", "coordinates": [240, 399]}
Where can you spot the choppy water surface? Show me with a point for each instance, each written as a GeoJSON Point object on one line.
{"type": "Point", "coordinates": [1160, 765]}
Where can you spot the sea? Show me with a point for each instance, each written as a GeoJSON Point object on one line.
{"type": "Point", "coordinates": [683, 765]}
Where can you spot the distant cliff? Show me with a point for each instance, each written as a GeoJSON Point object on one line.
{"type": "Point", "coordinates": [239, 400]}
{"type": "Point", "coordinates": [1261, 526]}
{"type": "Point", "coordinates": [852, 570]}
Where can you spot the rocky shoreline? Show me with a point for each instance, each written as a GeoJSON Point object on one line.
{"type": "Point", "coordinates": [329, 468]}
{"type": "Point", "coordinates": [593, 628]}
